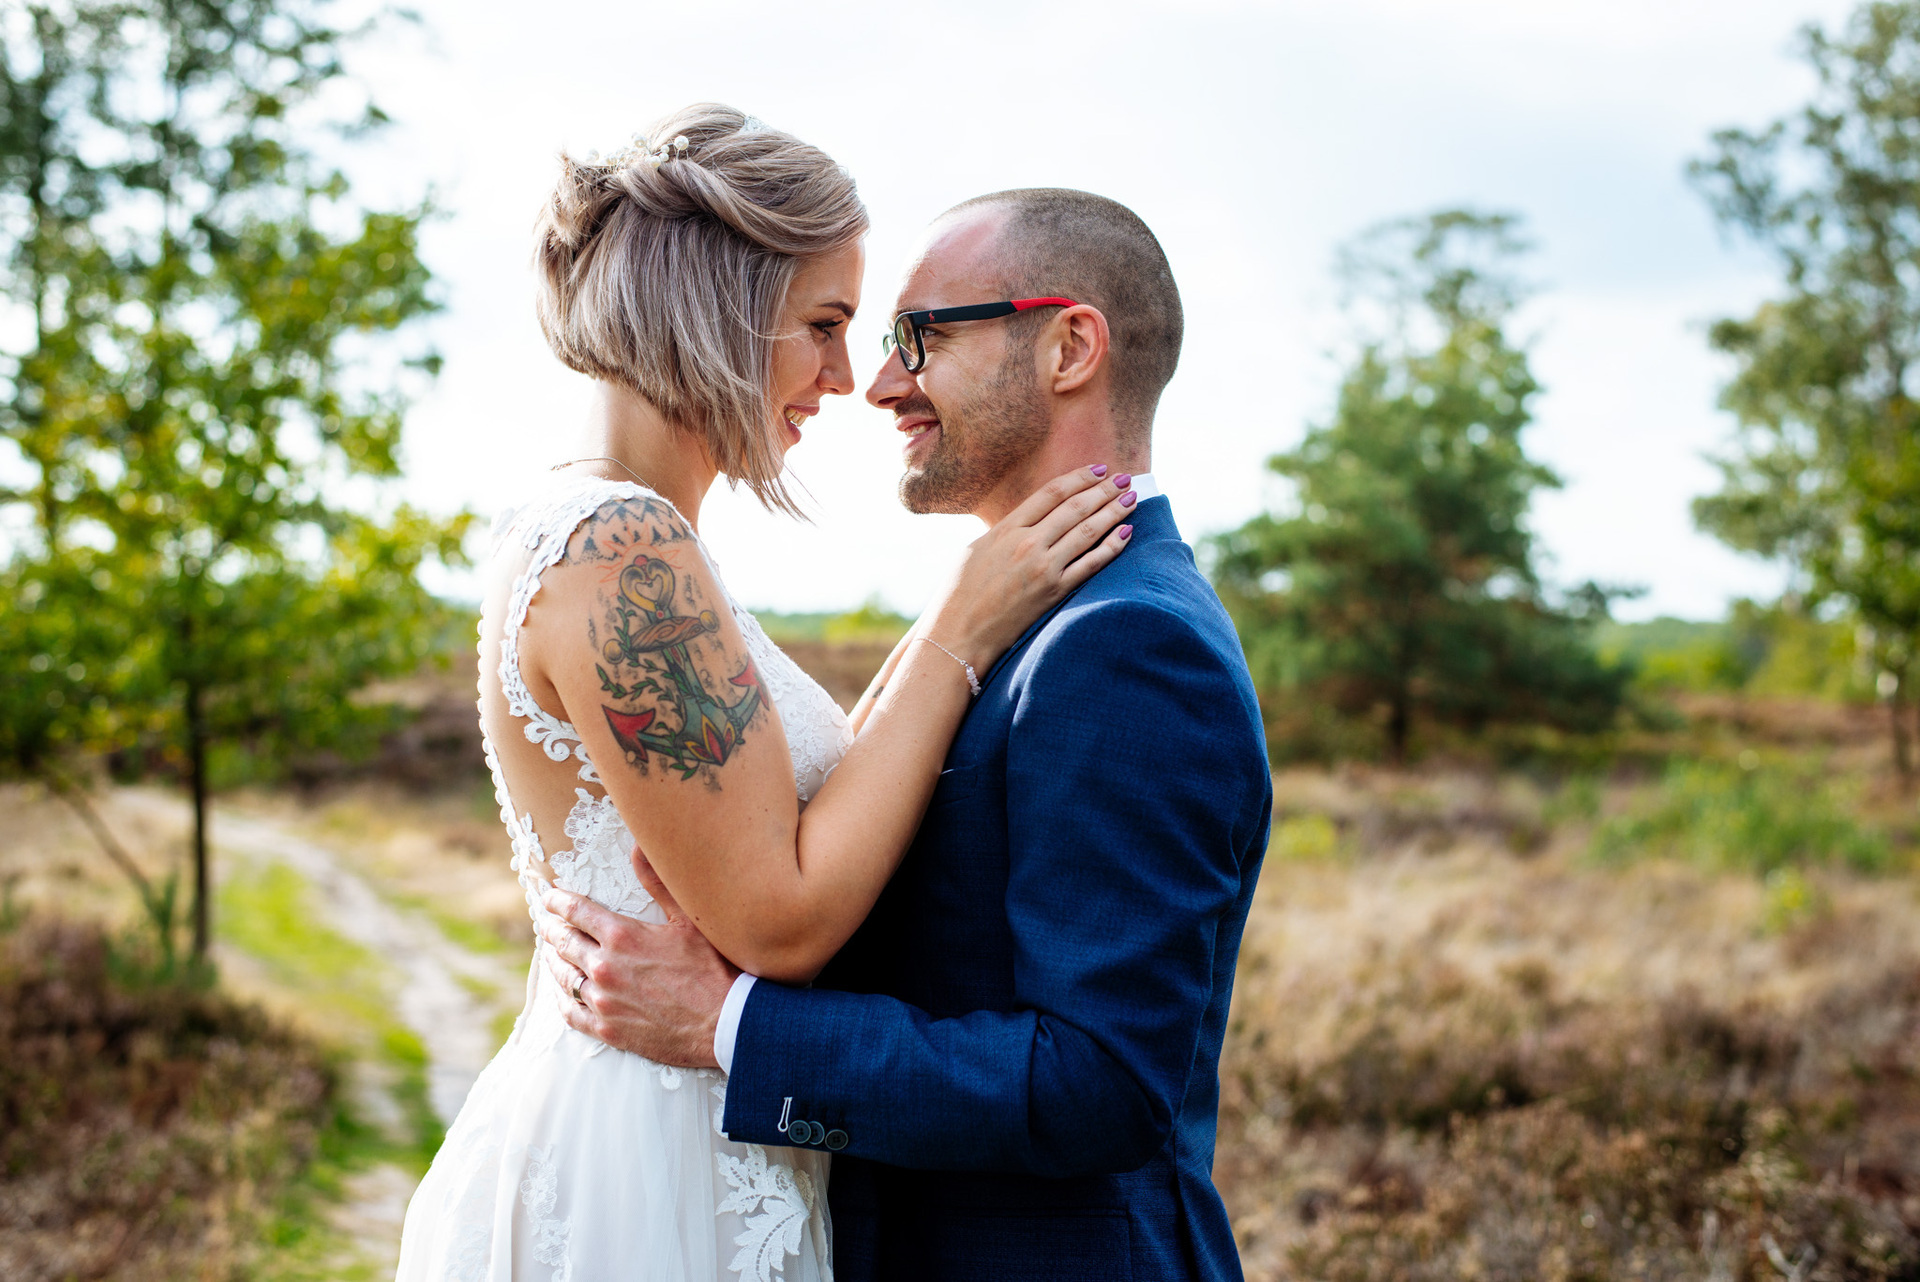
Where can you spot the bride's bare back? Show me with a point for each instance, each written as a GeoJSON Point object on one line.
{"type": "Point", "coordinates": [541, 1115]}
{"type": "Point", "coordinates": [687, 681]}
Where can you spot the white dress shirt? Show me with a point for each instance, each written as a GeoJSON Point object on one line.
{"type": "Point", "coordinates": [727, 1030]}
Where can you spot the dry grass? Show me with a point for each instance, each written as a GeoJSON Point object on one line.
{"type": "Point", "coordinates": [1460, 1048]}
{"type": "Point", "coordinates": [146, 1130]}
{"type": "Point", "coordinates": [1464, 1045]}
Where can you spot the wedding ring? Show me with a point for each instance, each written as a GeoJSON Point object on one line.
{"type": "Point", "coordinates": [578, 984]}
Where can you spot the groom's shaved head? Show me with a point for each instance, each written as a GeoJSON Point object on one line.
{"type": "Point", "coordinates": [1057, 241]}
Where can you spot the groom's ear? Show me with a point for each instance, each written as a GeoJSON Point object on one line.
{"type": "Point", "coordinates": [1075, 348]}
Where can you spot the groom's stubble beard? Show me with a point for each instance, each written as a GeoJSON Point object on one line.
{"type": "Point", "coordinates": [983, 439]}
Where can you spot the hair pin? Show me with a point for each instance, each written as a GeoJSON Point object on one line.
{"type": "Point", "coordinates": [639, 152]}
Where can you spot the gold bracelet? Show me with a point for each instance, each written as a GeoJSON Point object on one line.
{"type": "Point", "coordinates": [973, 682]}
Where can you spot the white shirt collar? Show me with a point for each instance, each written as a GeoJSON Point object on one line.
{"type": "Point", "coordinates": [1145, 486]}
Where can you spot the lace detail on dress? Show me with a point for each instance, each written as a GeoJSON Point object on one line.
{"type": "Point", "coordinates": [775, 1201]}
{"type": "Point", "coordinates": [469, 1261]}
{"type": "Point", "coordinates": [599, 864]}
{"type": "Point", "coordinates": [778, 1204]}
{"type": "Point", "coordinates": [816, 743]}
{"type": "Point", "coordinates": [539, 1193]}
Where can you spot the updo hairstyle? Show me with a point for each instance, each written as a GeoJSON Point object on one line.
{"type": "Point", "coordinates": [669, 276]}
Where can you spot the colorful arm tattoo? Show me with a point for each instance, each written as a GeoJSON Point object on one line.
{"type": "Point", "coordinates": [667, 704]}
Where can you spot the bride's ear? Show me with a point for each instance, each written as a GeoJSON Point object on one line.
{"type": "Point", "coordinates": [1077, 345]}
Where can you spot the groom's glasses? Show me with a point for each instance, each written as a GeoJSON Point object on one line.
{"type": "Point", "coordinates": [905, 335]}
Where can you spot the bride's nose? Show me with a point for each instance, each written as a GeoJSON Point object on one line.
{"type": "Point", "coordinates": [836, 374]}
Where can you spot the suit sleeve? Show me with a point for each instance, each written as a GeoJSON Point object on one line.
{"type": "Point", "coordinates": [1128, 815]}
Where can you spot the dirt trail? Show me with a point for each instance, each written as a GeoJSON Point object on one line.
{"type": "Point", "coordinates": [452, 1022]}
{"type": "Point", "coordinates": [447, 995]}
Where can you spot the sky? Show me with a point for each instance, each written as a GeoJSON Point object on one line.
{"type": "Point", "coordinates": [1254, 138]}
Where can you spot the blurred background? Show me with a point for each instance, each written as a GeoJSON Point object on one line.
{"type": "Point", "coordinates": [1545, 421]}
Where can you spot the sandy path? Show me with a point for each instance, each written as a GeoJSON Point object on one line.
{"type": "Point", "coordinates": [452, 1022]}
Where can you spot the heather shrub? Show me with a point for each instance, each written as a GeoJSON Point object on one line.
{"type": "Point", "coordinates": [1445, 1127]}
{"type": "Point", "coordinates": [146, 1128]}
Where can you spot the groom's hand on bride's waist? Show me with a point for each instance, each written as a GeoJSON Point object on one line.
{"type": "Point", "coordinates": [655, 990]}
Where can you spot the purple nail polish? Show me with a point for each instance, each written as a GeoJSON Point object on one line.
{"type": "Point", "coordinates": [1098, 469]}
{"type": "Point", "coordinates": [1123, 480]}
{"type": "Point", "coordinates": [1126, 531]}
{"type": "Point", "coordinates": [1127, 499]}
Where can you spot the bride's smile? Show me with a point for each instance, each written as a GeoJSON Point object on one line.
{"type": "Point", "coordinates": [810, 359]}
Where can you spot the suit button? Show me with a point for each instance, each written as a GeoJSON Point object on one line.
{"type": "Point", "coordinates": [836, 1139]}
{"type": "Point", "coordinates": [818, 1133]}
{"type": "Point", "coordinates": [801, 1132]}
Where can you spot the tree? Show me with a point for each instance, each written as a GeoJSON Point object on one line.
{"type": "Point", "coordinates": [1824, 473]}
{"type": "Point", "coordinates": [197, 379]}
{"type": "Point", "coordinates": [1402, 580]}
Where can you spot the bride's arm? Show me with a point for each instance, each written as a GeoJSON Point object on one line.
{"type": "Point", "coordinates": [634, 636]}
{"type": "Point", "coordinates": [871, 696]}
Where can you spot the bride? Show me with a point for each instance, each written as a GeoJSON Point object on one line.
{"type": "Point", "coordinates": [705, 278]}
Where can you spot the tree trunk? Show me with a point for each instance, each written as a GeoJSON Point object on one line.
{"type": "Point", "coordinates": [1399, 726]}
{"type": "Point", "coordinates": [197, 781]}
{"type": "Point", "coordinates": [1896, 717]}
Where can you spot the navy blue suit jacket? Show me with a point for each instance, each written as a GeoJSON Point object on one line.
{"type": "Point", "coordinates": [1016, 1058]}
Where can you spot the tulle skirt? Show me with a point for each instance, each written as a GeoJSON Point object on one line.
{"type": "Point", "coordinates": [575, 1162]}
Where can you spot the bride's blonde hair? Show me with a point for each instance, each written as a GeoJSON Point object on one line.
{"type": "Point", "coordinates": [665, 270]}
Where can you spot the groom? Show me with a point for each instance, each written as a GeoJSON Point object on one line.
{"type": "Point", "coordinates": [1015, 1060]}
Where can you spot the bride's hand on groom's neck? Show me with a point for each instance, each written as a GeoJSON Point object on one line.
{"type": "Point", "coordinates": [655, 990]}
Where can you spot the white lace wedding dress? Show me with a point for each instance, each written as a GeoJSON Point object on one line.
{"type": "Point", "coordinates": [575, 1162]}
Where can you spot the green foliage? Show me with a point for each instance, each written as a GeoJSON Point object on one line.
{"type": "Point", "coordinates": [1799, 654]}
{"type": "Point", "coordinates": [872, 623]}
{"type": "Point", "coordinates": [1304, 838]}
{"type": "Point", "coordinates": [63, 660]}
{"type": "Point", "coordinates": [802, 626]}
{"type": "Point", "coordinates": [1747, 816]}
{"type": "Point", "coordinates": [1402, 582]}
{"type": "Point", "coordinates": [1792, 901]}
{"type": "Point", "coordinates": [204, 362]}
{"type": "Point", "coordinates": [1677, 654]}
{"type": "Point", "coordinates": [1825, 471]}
{"type": "Point", "coordinates": [1776, 649]}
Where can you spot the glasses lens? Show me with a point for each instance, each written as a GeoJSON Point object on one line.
{"type": "Point", "coordinates": [902, 338]}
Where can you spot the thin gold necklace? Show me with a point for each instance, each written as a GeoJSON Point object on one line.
{"type": "Point", "coordinates": [603, 458]}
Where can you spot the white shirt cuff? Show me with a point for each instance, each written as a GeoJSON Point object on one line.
{"type": "Point", "coordinates": [728, 1026]}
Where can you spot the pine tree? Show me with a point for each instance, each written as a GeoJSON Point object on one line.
{"type": "Point", "coordinates": [1401, 582]}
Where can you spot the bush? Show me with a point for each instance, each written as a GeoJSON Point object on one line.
{"type": "Point", "coordinates": [1745, 816]}
{"type": "Point", "coordinates": [1456, 1128]}
{"type": "Point", "coordinates": [1776, 649]}
{"type": "Point", "coordinates": [145, 1127]}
